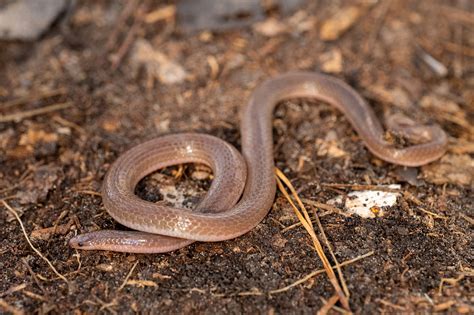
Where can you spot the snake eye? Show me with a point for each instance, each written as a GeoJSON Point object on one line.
{"type": "Point", "coordinates": [80, 244]}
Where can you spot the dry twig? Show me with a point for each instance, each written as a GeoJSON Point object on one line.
{"type": "Point", "coordinates": [130, 38]}
{"type": "Point", "coordinates": [317, 272]}
{"type": "Point", "coordinates": [328, 245]}
{"type": "Point", "coordinates": [395, 306]}
{"type": "Point", "coordinates": [361, 187]}
{"type": "Point", "coordinates": [32, 98]}
{"type": "Point", "coordinates": [34, 112]}
{"type": "Point", "coordinates": [328, 305]}
{"type": "Point", "coordinates": [127, 11]}
{"type": "Point", "coordinates": [128, 276]}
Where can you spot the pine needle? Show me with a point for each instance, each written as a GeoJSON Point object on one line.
{"type": "Point", "coordinates": [305, 220]}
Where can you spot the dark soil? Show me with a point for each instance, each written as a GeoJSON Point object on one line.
{"type": "Point", "coordinates": [52, 165]}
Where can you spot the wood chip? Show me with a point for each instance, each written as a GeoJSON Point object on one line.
{"type": "Point", "coordinates": [142, 283]}
{"type": "Point", "coordinates": [46, 233]}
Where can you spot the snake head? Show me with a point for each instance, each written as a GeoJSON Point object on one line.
{"type": "Point", "coordinates": [83, 241]}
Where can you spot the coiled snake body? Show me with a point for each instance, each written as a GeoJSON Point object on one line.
{"type": "Point", "coordinates": [225, 212]}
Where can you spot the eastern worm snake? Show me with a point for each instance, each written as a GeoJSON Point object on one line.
{"type": "Point", "coordinates": [225, 212]}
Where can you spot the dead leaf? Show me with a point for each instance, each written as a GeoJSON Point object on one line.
{"type": "Point", "coordinates": [37, 187]}
{"type": "Point", "coordinates": [452, 168]}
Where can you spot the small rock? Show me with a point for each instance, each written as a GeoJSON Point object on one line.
{"type": "Point", "coordinates": [279, 241]}
{"type": "Point", "coordinates": [407, 174]}
{"type": "Point", "coordinates": [200, 175]}
{"type": "Point", "coordinates": [454, 169]}
{"type": "Point", "coordinates": [329, 147]}
{"type": "Point", "coordinates": [339, 23]}
{"type": "Point", "coordinates": [301, 22]}
{"type": "Point", "coordinates": [156, 64]}
{"type": "Point", "coordinates": [331, 61]}
{"type": "Point", "coordinates": [161, 125]}
{"type": "Point", "coordinates": [111, 124]}
{"type": "Point", "coordinates": [395, 96]}
{"type": "Point", "coordinates": [36, 189]}
{"type": "Point", "coordinates": [196, 15]}
{"type": "Point", "coordinates": [439, 69]}
{"type": "Point", "coordinates": [6, 138]}
{"type": "Point", "coordinates": [270, 27]}
{"type": "Point", "coordinates": [403, 231]}
{"type": "Point", "coordinates": [368, 203]}
{"type": "Point", "coordinates": [440, 104]}
{"type": "Point", "coordinates": [234, 61]}
{"type": "Point", "coordinates": [28, 19]}
{"type": "Point", "coordinates": [219, 16]}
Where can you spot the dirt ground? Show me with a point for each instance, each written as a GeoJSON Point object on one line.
{"type": "Point", "coordinates": [109, 76]}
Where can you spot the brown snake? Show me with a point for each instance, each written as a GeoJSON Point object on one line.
{"type": "Point", "coordinates": [225, 212]}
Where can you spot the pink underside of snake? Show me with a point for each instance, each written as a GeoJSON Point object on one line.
{"type": "Point", "coordinates": [225, 212]}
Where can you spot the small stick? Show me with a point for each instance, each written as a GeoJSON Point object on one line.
{"type": "Point", "coordinates": [457, 14]}
{"type": "Point", "coordinates": [433, 214]}
{"type": "Point", "coordinates": [129, 39]}
{"type": "Point", "coordinates": [34, 112]}
{"type": "Point", "coordinates": [395, 306]}
{"type": "Point", "coordinates": [328, 245]}
{"type": "Point", "coordinates": [128, 276]}
{"type": "Point", "coordinates": [378, 24]}
{"type": "Point", "coordinates": [328, 305]}
{"type": "Point", "coordinates": [361, 187]}
{"type": "Point", "coordinates": [13, 289]}
{"type": "Point", "coordinates": [34, 296]}
{"type": "Point", "coordinates": [456, 48]}
{"type": "Point", "coordinates": [467, 218]}
{"type": "Point", "coordinates": [89, 192]}
{"type": "Point", "coordinates": [32, 98]}
{"type": "Point", "coordinates": [337, 308]}
{"type": "Point", "coordinates": [317, 272]}
{"type": "Point", "coordinates": [127, 11]}
{"type": "Point", "coordinates": [35, 278]}
{"type": "Point", "coordinates": [325, 206]}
